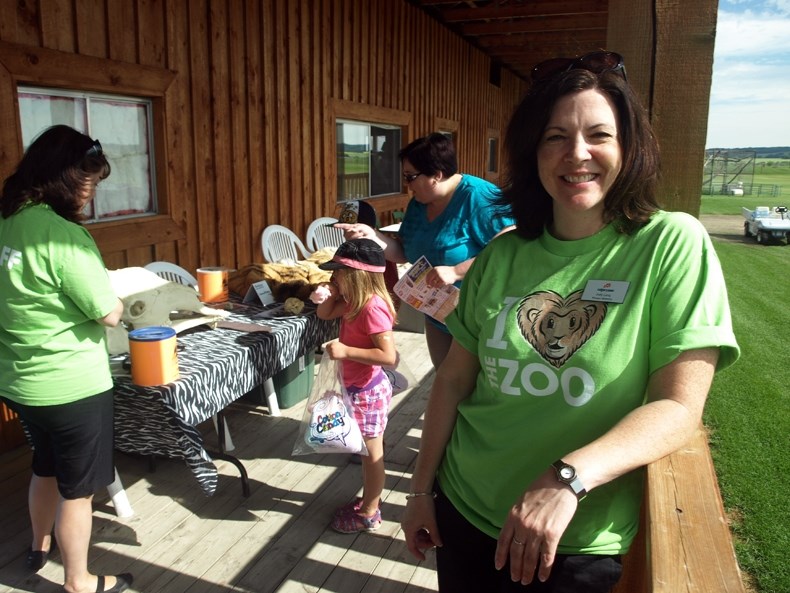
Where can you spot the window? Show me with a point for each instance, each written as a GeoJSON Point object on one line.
{"type": "Point", "coordinates": [495, 74]}
{"type": "Point", "coordinates": [121, 124]}
{"type": "Point", "coordinates": [25, 67]}
{"type": "Point", "coordinates": [492, 156]}
{"type": "Point", "coordinates": [367, 159]}
{"type": "Point", "coordinates": [368, 139]}
{"type": "Point", "coordinates": [448, 127]}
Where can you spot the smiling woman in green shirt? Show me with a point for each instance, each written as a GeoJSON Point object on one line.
{"type": "Point", "coordinates": [584, 346]}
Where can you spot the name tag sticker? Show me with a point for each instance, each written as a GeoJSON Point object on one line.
{"type": "Point", "coordinates": [605, 291]}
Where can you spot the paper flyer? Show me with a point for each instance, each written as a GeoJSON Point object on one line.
{"type": "Point", "coordinates": [413, 290]}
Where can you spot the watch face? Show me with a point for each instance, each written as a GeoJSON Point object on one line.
{"type": "Point", "coordinates": [567, 473]}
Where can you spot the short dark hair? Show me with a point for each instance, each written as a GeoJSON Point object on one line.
{"type": "Point", "coordinates": [54, 170]}
{"type": "Point", "coordinates": [431, 154]}
{"type": "Point", "coordinates": [631, 200]}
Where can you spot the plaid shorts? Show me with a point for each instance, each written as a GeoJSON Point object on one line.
{"type": "Point", "coordinates": [371, 405]}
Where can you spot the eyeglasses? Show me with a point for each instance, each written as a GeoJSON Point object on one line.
{"type": "Point", "coordinates": [596, 62]}
{"type": "Point", "coordinates": [409, 177]}
{"type": "Point", "coordinates": [95, 149]}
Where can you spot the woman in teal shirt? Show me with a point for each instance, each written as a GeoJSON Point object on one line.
{"type": "Point", "coordinates": [450, 219]}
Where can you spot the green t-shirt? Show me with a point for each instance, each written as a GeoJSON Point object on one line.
{"type": "Point", "coordinates": [54, 287]}
{"type": "Point", "coordinates": [559, 370]}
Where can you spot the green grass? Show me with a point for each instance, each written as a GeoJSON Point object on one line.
{"type": "Point", "coordinates": [772, 171]}
{"type": "Point", "coordinates": [733, 204]}
{"type": "Point", "coordinates": [355, 162]}
{"type": "Point", "coordinates": [747, 412]}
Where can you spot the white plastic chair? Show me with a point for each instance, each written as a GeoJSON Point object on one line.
{"type": "Point", "coordinates": [319, 235]}
{"type": "Point", "coordinates": [172, 272]}
{"type": "Point", "coordinates": [175, 273]}
{"type": "Point", "coordinates": [279, 243]}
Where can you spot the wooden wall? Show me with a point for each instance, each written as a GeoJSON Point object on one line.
{"type": "Point", "coordinates": [246, 93]}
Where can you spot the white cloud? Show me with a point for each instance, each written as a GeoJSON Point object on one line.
{"type": "Point", "coordinates": [741, 35]}
{"type": "Point", "coordinates": [750, 92]}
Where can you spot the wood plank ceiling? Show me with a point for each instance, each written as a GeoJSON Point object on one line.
{"type": "Point", "coordinates": [517, 34]}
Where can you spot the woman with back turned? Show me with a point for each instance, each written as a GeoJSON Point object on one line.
{"type": "Point", "coordinates": [54, 370]}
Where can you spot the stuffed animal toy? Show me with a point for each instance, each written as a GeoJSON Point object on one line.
{"type": "Point", "coordinates": [295, 280]}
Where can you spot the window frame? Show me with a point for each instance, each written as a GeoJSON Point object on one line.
{"type": "Point", "coordinates": [88, 97]}
{"type": "Point", "coordinates": [370, 114]}
{"type": "Point", "coordinates": [46, 68]}
{"type": "Point", "coordinates": [492, 175]}
{"type": "Point", "coordinates": [370, 125]}
{"type": "Point", "coordinates": [449, 127]}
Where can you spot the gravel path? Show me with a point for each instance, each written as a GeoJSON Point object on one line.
{"type": "Point", "coordinates": [727, 227]}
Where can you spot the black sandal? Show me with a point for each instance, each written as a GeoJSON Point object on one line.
{"type": "Point", "coordinates": [36, 559]}
{"type": "Point", "coordinates": [122, 583]}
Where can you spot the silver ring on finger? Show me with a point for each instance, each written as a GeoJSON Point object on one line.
{"type": "Point", "coordinates": [518, 542]}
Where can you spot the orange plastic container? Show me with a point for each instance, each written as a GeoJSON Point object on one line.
{"type": "Point", "coordinates": [153, 355]}
{"type": "Point", "coordinates": [213, 284]}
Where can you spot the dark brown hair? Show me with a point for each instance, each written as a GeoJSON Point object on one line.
{"type": "Point", "coordinates": [431, 154]}
{"type": "Point", "coordinates": [631, 200]}
{"type": "Point", "coordinates": [54, 171]}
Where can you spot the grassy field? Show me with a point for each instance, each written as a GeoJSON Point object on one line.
{"type": "Point", "coordinates": [747, 412]}
{"type": "Point", "coordinates": [778, 174]}
{"type": "Point", "coordinates": [772, 171]}
{"type": "Point", "coordinates": [354, 162]}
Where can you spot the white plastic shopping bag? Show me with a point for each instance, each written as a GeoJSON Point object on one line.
{"type": "Point", "coordinates": [328, 424]}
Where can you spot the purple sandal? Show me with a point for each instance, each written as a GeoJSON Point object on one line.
{"type": "Point", "coordinates": [348, 521]}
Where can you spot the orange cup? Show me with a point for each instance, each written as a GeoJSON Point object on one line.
{"type": "Point", "coordinates": [152, 351]}
{"type": "Point", "coordinates": [213, 284]}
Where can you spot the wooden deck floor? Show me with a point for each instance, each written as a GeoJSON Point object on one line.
{"type": "Point", "coordinates": [278, 539]}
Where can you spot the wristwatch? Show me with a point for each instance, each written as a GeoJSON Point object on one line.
{"type": "Point", "coordinates": [567, 475]}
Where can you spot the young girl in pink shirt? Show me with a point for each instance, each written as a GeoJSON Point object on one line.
{"type": "Point", "coordinates": [358, 295]}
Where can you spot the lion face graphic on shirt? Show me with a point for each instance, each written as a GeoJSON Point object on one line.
{"type": "Point", "coordinates": [556, 327]}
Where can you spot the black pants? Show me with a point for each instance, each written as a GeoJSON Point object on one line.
{"type": "Point", "coordinates": [465, 563]}
{"type": "Point", "coordinates": [72, 442]}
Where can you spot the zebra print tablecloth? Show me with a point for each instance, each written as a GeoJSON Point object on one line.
{"type": "Point", "coordinates": [216, 366]}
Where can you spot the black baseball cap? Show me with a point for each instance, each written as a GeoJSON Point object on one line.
{"type": "Point", "coordinates": [357, 211]}
{"type": "Point", "coordinates": [359, 254]}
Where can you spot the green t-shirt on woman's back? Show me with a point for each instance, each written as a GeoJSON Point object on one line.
{"type": "Point", "coordinates": [54, 286]}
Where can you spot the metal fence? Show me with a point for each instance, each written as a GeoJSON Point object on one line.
{"type": "Point", "coordinates": [743, 189]}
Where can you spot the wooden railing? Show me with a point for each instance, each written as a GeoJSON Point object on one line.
{"type": "Point", "coordinates": [355, 186]}
{"type": "Point", "coordinates": [684, 544]}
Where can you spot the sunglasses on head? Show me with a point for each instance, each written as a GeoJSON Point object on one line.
{"type": "Point", "coordinates": [95, 149]}
{"type": "Point", "coordinates": [596, 62]}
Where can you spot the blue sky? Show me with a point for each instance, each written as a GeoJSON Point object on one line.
{"type": "Point", "coordinates": [750, 91]}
